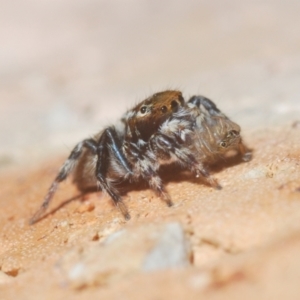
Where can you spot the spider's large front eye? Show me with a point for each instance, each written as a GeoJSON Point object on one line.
{"type": "Point", "coordinates": [143, 109]}
{"type": "Point", "coordinates": [164, 109]}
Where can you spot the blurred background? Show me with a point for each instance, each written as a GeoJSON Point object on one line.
{"type": "Point", "coordinates": [70, 67]}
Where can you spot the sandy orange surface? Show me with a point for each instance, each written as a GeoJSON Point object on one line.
{"type": "Point", "coordinates": [244, 238]}
{"type": "Point", "coordinates": [69, 68]}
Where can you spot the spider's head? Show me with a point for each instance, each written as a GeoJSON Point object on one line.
{"type": "Point", "coordinates": [145, 119]}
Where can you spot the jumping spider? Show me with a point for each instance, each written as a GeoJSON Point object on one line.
{"type": "Point", "coordinates": [162, 129]}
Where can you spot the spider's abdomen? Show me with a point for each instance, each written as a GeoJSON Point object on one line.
{"type": "Point", "coordinates": [84, 173]}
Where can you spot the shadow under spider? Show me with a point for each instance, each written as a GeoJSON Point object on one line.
{"type": "Point", "coordinates": [169, 173]}
{"type": "Point", "coordinates": [54, 210]}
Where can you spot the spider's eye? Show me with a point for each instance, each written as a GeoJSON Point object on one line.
{"type": "Point", "coordinates": [223, 144]}
{"type": "Point", "coordinates": [174, 104]}
{"type": "Point", "coordinates": [164, 109]}
{"type": "Point", "coordinates": [143, 109]}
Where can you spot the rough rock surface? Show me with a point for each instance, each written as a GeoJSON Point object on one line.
{"type": "Point", "coordinates": [70, 67]}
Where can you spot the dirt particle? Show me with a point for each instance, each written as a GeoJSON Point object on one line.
{"type": "Point", "coordinates": [12, 272]}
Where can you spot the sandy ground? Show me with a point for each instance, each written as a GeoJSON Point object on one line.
{"type": "Point", "coordinates": [68, 68]}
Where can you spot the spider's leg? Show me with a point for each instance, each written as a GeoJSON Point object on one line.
{"type": "Point", "coordinates": [201, 170]}
{"type": "Point", "coordinates": [157, 186]}
{"type": "Point", "coordinates": [209, 105]}
{"type": "Point", "coordinates": [109, 141]}
{"type": "Point", "coordinates": [65, 170]}
{"type": "Point", "coordinates": [111, 138]}
{"type": "Point", "coordinates": [185, 157]}
{"type": "Point", "coordinates": [190, 162]}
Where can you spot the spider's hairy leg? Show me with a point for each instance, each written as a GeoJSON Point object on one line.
{"type": "Point", "coordinates": [156, 185]}
{"type": "Point", "coordinates": [207, 103]}
{"type": "Point", "coordinates": [109, 141]}
{"type": "Point", "coordinates": [201, 170]}
{"type": "Point", "coordinates": [191, 163]}
{"type": "Point", "coordinates": [185, 157]}
{"type": "Point", "coordinates": [65, 170]}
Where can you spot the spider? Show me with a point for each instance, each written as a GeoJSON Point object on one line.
{"type": "Point", "coordinates": [162, 129]}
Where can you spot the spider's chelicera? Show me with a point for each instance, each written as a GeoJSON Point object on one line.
{"type": "Point", "coordinates": [162, 129]}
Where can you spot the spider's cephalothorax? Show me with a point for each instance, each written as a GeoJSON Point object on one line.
{"type": "Point", "coordinates": [162, 129]}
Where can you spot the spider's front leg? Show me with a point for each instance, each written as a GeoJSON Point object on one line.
{"type": "Point", "coordinates": [65, 170]}
{"type": "Point", "coordinates": [109, 143]}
